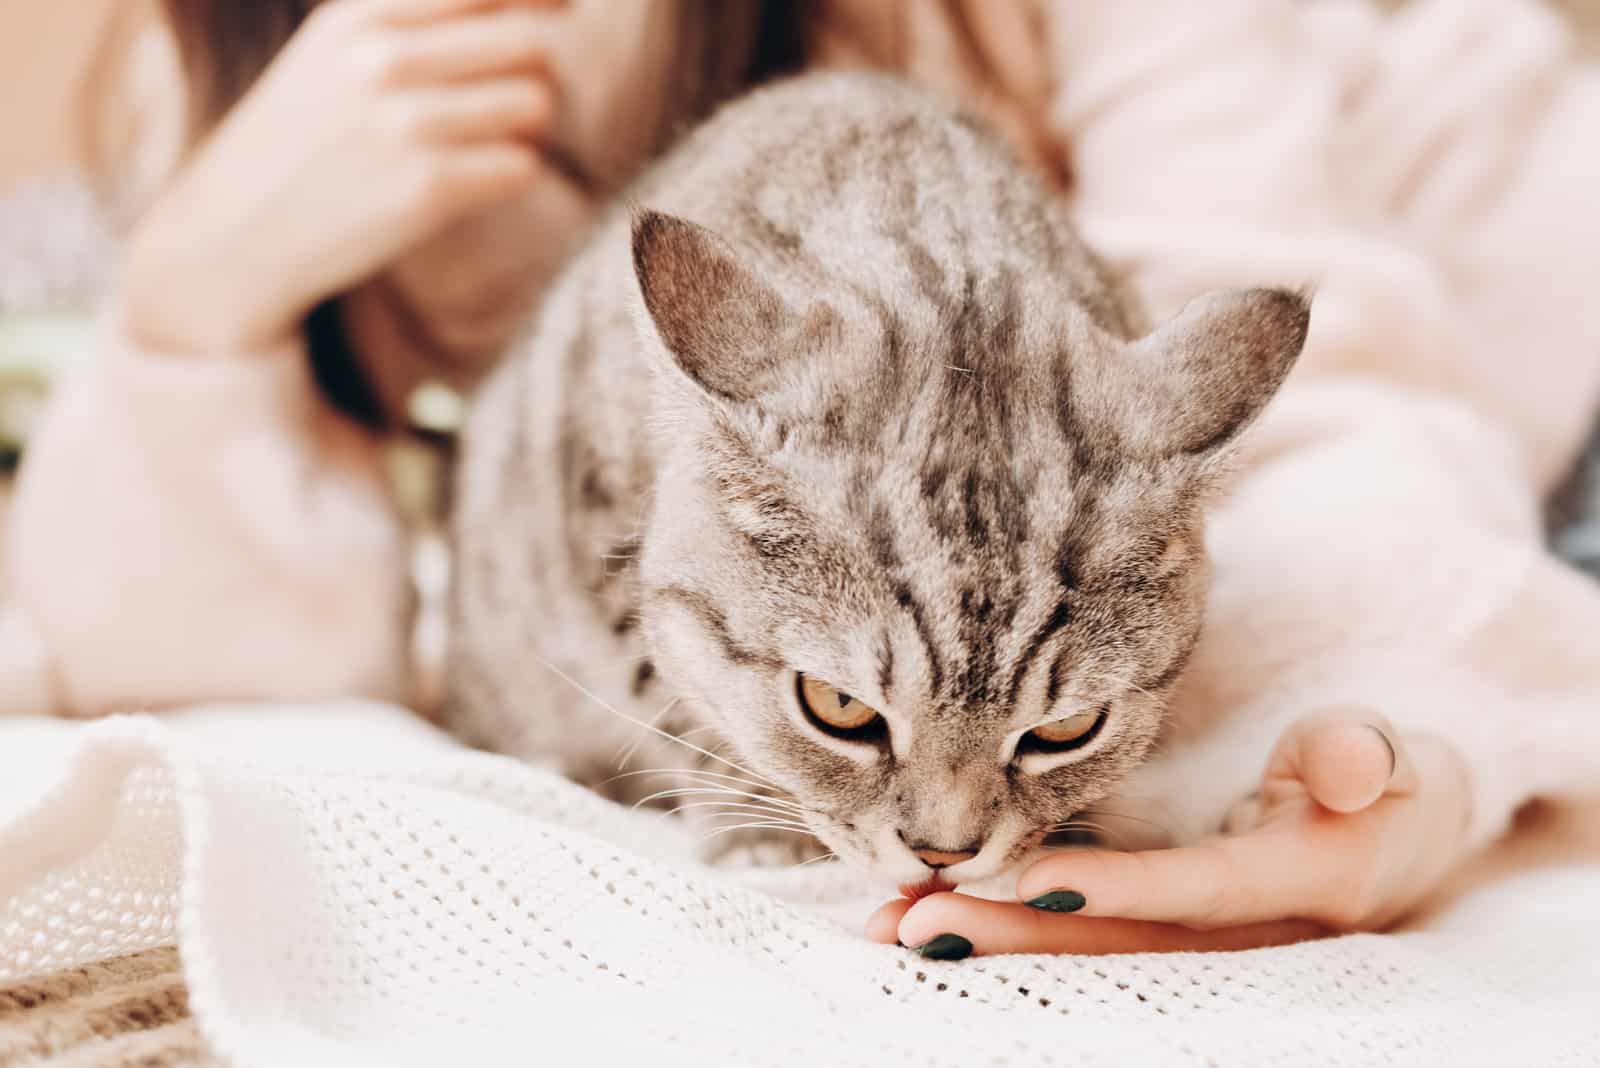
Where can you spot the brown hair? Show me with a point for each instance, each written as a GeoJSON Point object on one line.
{"type": "Point", "coordinates": [224, 45]}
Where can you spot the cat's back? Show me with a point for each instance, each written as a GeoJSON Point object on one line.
{"type": "Point", "coordinates": [844, 174]}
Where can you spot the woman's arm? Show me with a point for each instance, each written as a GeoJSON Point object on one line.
{"type": "Point", "coordinates": [1430, 172]}
{"type": "Point", "coordinates": [379, 124]}
{"type": "Point", "coordinates": [192, 521]}
{"type": "Point", "coordinates": [1425, 170]}
{"type": "Point", "coordinates": [191, 528]}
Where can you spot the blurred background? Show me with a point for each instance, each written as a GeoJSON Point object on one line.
{"type": "Point", "coordinates": [44, 47]}
{"type": "Point", "coordinates": [57, 249]}
{"type": "Point", "coordinates": [52, 256]}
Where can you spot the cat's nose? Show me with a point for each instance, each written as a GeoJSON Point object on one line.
{"type": "Point", "coordinates": [942, 858]}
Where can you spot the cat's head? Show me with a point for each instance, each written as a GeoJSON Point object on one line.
{"type": "Point", "coordinates": [933, 569]}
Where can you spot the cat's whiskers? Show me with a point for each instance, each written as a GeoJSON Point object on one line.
{"type": "Point", "coordinates": [755, 825]}
{"type": "Point", "coordinates": [1074, 826]}
{"type": "Point", "coordinates": [1105, 813]}
{"type": "Point", "coordinates": [704, 728]}
{"type": "Point", "coordinates": [608, 556]}
{"type": "Point", "coordinates": [748, 822]}
{"type": "Point", "coordinates": [1122, 795]}
{"type": "Point", "coordinates": [749, 799]}
{"type": "Point", "coordinates": [669, 736]}
{"type": "Point", "coordinates": [1107, 835]}
{"type": "Point", "coordinates": [829, 855]}
{"type": "Point", "coordinates": [746, 808]}
{"type": "Point", "coordinates": [626, 754]}
{"type": "Point", "coordinates": [741, 808]}
{"type": "Point", "coordinates": [717, 777]}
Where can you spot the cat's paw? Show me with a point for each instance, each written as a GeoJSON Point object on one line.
{"type": "Point", "coordinates": [761, 848]}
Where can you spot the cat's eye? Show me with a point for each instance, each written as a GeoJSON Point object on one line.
{"type": "Point", "coordinates": [835, 712]}
{"type": "Point", "coordinates": [1063, 735]}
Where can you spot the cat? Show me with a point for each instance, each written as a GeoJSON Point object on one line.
{"type": "Point", "coordinates": [835, 455]}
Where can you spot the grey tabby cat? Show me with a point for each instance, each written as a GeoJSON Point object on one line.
{"type": "Point", "coordinates": [841, 458]}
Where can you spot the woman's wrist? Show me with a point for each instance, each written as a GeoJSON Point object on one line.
{"type": "Point", "coordinates": [174, 302]}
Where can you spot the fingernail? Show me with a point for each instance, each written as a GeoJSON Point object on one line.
{"type": "Point", "coordinates": [1057, 901]}
{"type": "Point", "coordinates": [946, 947]}
{"type": "Point", "coordinates": [1394, 758]}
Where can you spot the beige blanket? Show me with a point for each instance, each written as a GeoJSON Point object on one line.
{"type": "Point", "coordinates": [348, 888]}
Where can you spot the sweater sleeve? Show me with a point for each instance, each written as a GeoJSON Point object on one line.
{"type": "Point", "coordinates": [1382, 550]}
{"type": "Point", "coordinates": [1382, 546]}
{"type": "Point", "coordinates": [1435, 165]}
{"type": "Point", "coordinates": [192, 528]}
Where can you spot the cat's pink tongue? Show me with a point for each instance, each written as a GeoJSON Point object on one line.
{"type": "Point", "coordinates": [933, 884]}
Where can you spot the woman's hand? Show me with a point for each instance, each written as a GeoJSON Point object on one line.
{"type": "Point", "coordinates": [380, 123]}
{"type": "Point", "coordinates": [1353, 826]}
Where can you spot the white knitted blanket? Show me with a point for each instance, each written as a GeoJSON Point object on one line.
{"type": "Point", "coordinates": [348, 887]}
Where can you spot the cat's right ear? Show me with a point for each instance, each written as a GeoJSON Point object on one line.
{"type": "Point", "coordinates": [719, 321]}
{"type": "Point", "coordinates": [1188, 389]}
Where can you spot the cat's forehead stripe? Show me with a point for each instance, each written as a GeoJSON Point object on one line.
{"type": "Point", "coordinates": [1164, 677]}
{"type": "Point", "coordinates": [885, 665]}
{"type": "Point", "coordinates": [1059, 617]}
{"type": "Point", "coordinates": [715, 623]}
{"type": "Point", "coordinates": [907, 600]}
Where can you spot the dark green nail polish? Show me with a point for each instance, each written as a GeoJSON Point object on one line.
{"type": "Point", "coordinates": [1058, 901]}
{"type": "Point", "coordinates": [1394, 757]}
{"type": "Point", "coordinates": [946, 947]}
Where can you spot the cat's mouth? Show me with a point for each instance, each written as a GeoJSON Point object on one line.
{"type": "Point", "coordinates": [940, 882]}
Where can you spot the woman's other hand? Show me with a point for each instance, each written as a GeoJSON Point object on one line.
{"type": "Point", "coordinates": [1354, 825]}
{"type": "Point", "coordinates": [379, 124]}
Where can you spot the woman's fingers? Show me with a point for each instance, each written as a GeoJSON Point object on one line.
{"type": "Point", "coordinates": [1347, 766]}
{"type": "Point", "coordinates": [505, 107]}
{"type": "Point", "coordinates": [1295, 871]}
{"type": "Point", "coordinates": [476, 176]}
{"type": "Point", "coordinates": [1346, 831]}
{"type": "Point", "coordinates": [1313, 845]}
{"type": "Point", "coordinates": [403, 11]}
{"type": "Point", "coordinates": [1245, 815]}
{"type": "Point", "coordinates": [485, 44]}
{"type": "Point", "coordinates": [884, 925]}
{"type": "Point", "coordinates": [1342, 764]}
{"type": "Point", "coordinates": [990, 927]}
{"type": "Point", "coordinates": [1343, 759]}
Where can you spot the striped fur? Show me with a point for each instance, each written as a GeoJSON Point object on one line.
{"type": "Point", "coordinates": [844, 394]}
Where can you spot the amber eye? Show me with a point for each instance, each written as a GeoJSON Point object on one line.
{"type": "Point", "coordinates": [1063, 735]}
{"type": "Point", "coordinates": [837, 713]}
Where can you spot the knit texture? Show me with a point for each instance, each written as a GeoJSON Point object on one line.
{"type": "Point", "coordinates": [349, 887]}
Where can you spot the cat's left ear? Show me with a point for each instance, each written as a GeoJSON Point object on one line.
{"type": "Point", "coordinates": [719, 321]}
